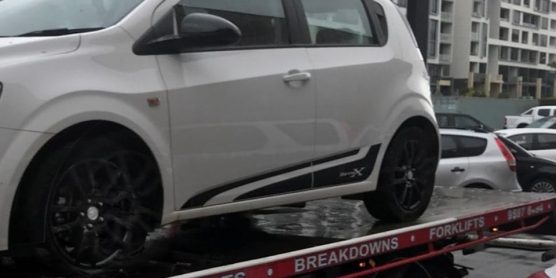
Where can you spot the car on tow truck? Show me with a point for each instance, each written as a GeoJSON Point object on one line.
{"type": "Point", "coordinates": [117, 117]}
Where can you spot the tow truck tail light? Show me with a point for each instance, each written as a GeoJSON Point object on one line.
{"type": "Point", "coordinates": [507, 154]}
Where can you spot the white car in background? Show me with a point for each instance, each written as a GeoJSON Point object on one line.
{"type": "Point", "coordinates": [538, 141]}
{"type": "Point", "coordinates": [475, 160]}
{"type": "Point", "coordinates": [117, 117]}
{"type": "Point", "coordinates": [529, 116]}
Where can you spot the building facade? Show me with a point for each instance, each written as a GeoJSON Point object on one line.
{"type": "Point", "coordinates": [492, 48]}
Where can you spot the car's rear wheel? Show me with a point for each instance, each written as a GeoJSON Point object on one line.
{"type": "Point", "coordinates": [406, 179]}
{"type": "Point", "coordinates": [542, 186]}
{"type": "Point", "coordinates": [103, 198]}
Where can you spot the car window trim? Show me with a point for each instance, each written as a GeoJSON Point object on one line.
{"type": "Point", "coordinates": [371, 16]}
{"type": "Point", "coordinates": [298, 31]}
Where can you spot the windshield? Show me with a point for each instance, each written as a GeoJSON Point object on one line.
{"type": "Point", "coordinates": [59, 17]}
{"type": "Point", "coordinates": [543, 123]}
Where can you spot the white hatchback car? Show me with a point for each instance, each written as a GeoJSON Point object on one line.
{"type": "Point", "coordinates": [475, 160]}
{"type": "Point", "coordinates": [538, 141]}
{"type": "Point", "coordinates": [117, 116]}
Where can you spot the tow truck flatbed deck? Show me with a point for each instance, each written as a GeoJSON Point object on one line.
{"type": "Point", "coordinates": [284, 242]}
{"type": "Point", "coordinates": [287, 242]}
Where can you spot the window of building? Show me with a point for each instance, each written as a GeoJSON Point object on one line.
{"type": "Point", "coordinates": [515, 35]}
{"type": "Point", "coordinates": [433, 34]}
{"type": "Point", "coordinates": [542, 5]}
{"type": "Point", "coordinates": [530, 20]}
{"type": "Point", "coordinates": [338, 23]}
{"type": "Point", "coordinates": [514, 54]}
{"type": "Point", "coordinates": [544, 23]}
{"type": "Point", "coordinates": [543, 40]}
{"type": "Point", "coordinates": [516, 18]}
{"type": "Point", "coordinates": [433, 6]}
{"type": "Point", "coordinates": [478, 8]}
{"type": "Point", "coordinates": [504, 14]}
{"type": "Point", "coordinates": [504, 33]}
{"type": "Point", "coordinates": [474, 48]}
{"type": "Point", "coordinates": [504, 53]}
{"type": "Point", "coordinates": [542, 58]}
{"type": "Point", "coordinates": [524, 37]}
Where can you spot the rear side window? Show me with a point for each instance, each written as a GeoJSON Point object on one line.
{"type": "Point", "coordinates": [449, 147]}
{"type": "Point", "coordinates": [262, 23]}
{"type": "Point", "coordinates": [472, 146]}
{"type": "Point", "coordinates": [333, 22]}
{"type": "Point", "coordinates": [454, 146]}
{"type": "Point", "coordinates": [544, 112]}
{"type": "Point", "coordinates": [524, 140]}
{"type": "Point", "coordinates": [545, 141]}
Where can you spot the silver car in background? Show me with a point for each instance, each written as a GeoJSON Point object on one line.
{"type": "Point", "coordinates": [475, 160]}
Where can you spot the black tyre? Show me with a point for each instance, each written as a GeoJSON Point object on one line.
{"type": "Point", "coordinates": [98, 199]}
{"type": "Point", "coordinates": [406, 179]}
{"type": "Point", "coordinates": [542, 185]}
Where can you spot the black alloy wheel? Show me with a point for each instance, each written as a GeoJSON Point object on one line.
{"type": "Point", "coordinates": [542, 186]}
{"type": "Point", "coordinates": [406, 179]}
{"type": "Point", "coordinates": [97, 212]}
{"type": "Point", "coordinates": [103, 197]}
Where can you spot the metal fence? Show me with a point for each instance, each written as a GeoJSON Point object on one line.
{"type": "Point", "coordinates": [491, 111]}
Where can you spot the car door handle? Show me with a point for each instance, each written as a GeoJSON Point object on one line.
{"type": "Point", "coordinates": [296, 75]}
{"type": "Point", "coordinates": [457, 169]}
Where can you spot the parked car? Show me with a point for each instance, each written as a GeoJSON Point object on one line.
{"type": "Point", "coordinates": [539, 141]}
{"type": "Point", "coordinates": [476, 160]}
{"type": "Point", "coordinates": [120, 116]}
{"type": "Point", "coordinates": [546, 122]}
{"type": "Point", "coordinates": [529, 116]}
{"type": "Point", "coordinates": [534, 174]}
{"type": "Point", "coordinates": [460, 121]}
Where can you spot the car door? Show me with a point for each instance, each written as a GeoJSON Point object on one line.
{"type": "Point", "coordinates": [544, 145]}
{"type": "Point", "coordinates": [453, 166]}
{"type": "Point", "coordinates": [242, 116]}
{"type": "Point", "coordinates": [344, 48]}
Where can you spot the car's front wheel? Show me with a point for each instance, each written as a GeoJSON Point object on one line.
{"type": "Point", "coordinates": [98, 199]}
{"type": "Point", "coordinates": [406, 179]}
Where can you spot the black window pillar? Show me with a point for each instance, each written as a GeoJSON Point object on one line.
{"type": "Point", "coordinates": [418, 17]}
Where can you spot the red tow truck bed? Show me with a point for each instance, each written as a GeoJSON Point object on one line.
{"type": "Point", "coordinates": [456, 219]}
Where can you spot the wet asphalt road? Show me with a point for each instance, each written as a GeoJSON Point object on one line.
{"type": "Point", "coordinates": [225, 240]}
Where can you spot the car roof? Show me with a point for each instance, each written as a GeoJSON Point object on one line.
{"type": "Point", "coordinates": [544, 106]}
{"type": "Point", "coordinates": [465, 132]}
{"type": "Point", "coordinates": [516, 131]}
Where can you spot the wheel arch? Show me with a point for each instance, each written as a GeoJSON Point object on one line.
{"type": "Point", "coordinates": [66, 135]}
{"type": "Point", "coordinates": [479, 185]}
